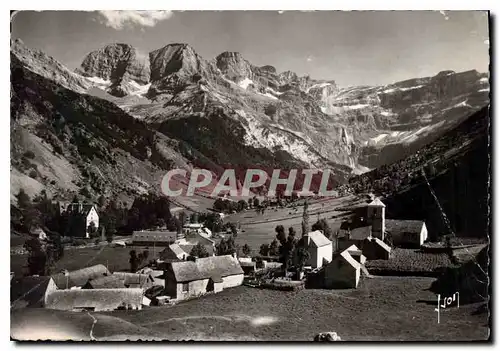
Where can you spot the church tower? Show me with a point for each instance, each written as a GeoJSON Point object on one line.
{"type": "Point", "coordinates": [376, 217]}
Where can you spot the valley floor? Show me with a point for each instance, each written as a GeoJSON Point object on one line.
{"type": "Point", "coordinates": [381, 309]}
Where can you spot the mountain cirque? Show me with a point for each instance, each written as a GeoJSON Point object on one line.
{"type": "Point", "coordinates": [227, 111]}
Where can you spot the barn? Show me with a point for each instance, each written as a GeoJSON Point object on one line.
{"type": "Point", "coordinates": [135, 280]}
{"type": "Point", "coordinates": [186, 279]}
{"type": "Point", "coordinates": [376, 249]}
{"type": "Point", "coordinates": [406, 233]}
{"type": "Point", "coordinates": [153, 237]}
{"type": "Point", "coordinates": [344, 271]}
{"type": "Point", "coordinates": [95, 299]}
{"type": "Point", "coordinates": [30, 291]}
{"type": "Point", "coordinates": [80, 277]}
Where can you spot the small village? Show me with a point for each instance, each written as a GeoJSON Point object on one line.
{"type": "Point", "coordinates": [175, 266]}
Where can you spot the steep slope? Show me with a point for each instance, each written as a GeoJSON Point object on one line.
{"type": "Point", "coordinates": [65, 142]}
{"type": "Point", "coordinates": [458, 168]}
{"type": "Point", "coordinates": [407, 115]}
{"type": "Point", "coordinates": [46, 66]}
{"type": "Point", "coordinates": [271, 118]}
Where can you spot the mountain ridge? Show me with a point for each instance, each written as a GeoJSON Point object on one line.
{"type": "Point", "coordinates": [269, 116]}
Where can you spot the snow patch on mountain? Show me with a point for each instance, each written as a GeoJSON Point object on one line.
{"type": "Point", "coordinates": [268, 95]}
{"type": "Point", "coordinates": [245, 83]}
{"type": "Point", "coordinates": [388, 91]}
{"type": "Point", "coordinates": [272, 91]}
{"type": "Point", "coordinates": [486, 89]}
{"type": "Point", "coordinates": [99, 82]}
{"type": "Point", "coordinates": [484, 80]}
{"type": "Point", "coordinates": [320, 85]}
{"type": "Point", "coordinates": [139, 90]}
{"type": "Point", "coordinates": [355, 107]}
{"type": "Point", "coordinates": [378, 138]}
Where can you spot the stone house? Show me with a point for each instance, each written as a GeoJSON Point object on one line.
{"type": "Point", "coordinates": [30, 291]}
{"type": "Point", "coordinates": [344, 271]}
{"type": "Point", "coordinates": [406, 233]}
{"type": "Point", "coordinates": [187, 279]}
{"type": "Point", "coordinates": [319, 248]}
{"type": "Point", "coordinates": [95, 299]}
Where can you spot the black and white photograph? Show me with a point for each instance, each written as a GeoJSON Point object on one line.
{"type": "Point", "coordinates": [250, 176]}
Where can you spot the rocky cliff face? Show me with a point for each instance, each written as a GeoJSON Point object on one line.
{"type": "Point", "coordinates": [234, 66]}
{"type": "Point", "coordinates": [298, 120]}
{"type": "Point", "coordinates": [176, 66]}
{"type": "Point", "coordinates": [119, 66]}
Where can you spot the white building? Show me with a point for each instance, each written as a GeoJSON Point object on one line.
{"type": "Point", "coordinates": [87, 211]}
{"type": "Point", "coordinates": [320, 249]}
{"type": "Point", "coordinates": [376, 218]}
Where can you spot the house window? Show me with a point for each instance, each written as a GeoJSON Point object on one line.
{"type": "Point", "coordinates": [185, 287]}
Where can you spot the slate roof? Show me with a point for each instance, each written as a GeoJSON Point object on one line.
{"type": "Point", "coordinates": [106, 282]}
{"type": "Point", "coordinates": [83, 210]}
{"type": "Point", "coordinates": [28, 291]}
{"type": "Point", "coordinates": [376, 203]}
{"type": "Point", "coordinates": [100, 299]}
{"type": "Point", "coordinates": [134, 279]}
{"type": "Point", "coordinates": [382, 244]}
{"type": "Point", "coordinates": [318, 238]}
{"type": "Point", "coordinates": [400, 227]}
{"type": "Point", "coordinates": [216, 278]}
{"type": "Point", "coordinates": [80, 276]}
{"type": "Point", "coordinates": [205, 268]}
{"type": "Point", "coordinates": [154, 236]}
{"type": "Point", "coordinates": [177, 250]}
{"type": "Point", "coordinates": [359, 233]}
{"type": "Point", "coordinates": [346, 255]}
{"type": "Point", "coordinates": [193, 225]}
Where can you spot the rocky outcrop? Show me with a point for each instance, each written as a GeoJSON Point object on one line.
{"type": "Point", "coordinates": [234, 66]}
{"type": "Point", "coordinates": [289, 78]}
{"type": "Point", "coordinates": [45, 65]}
{"type": "Point", "coordinates": [314, 120]}
{"type": "Point", "coordinates": [120, 64]}
{"type": "Point", "coordinates": [175, 66]}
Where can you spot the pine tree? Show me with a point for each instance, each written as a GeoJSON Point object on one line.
{"type": "Point", "coordinates": [264, 250]}
{"type": "Point", "coordinates": [280, 234]}
{"type": "Point", "coordinates": [246, 250]}
{"type": "Point", "coordinates": [274, 248]}
{"type": "Point", "coordinates": [199, 251]}
{"type": "Point", "coordinates": [134, 261]}
{"type": "Point", "coordinates": [23, 200]}
{"type": "Point", "coordinates": [305, 219]}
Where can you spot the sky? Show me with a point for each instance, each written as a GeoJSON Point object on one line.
{"type": "Point", "coordinates": [351, 47]}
